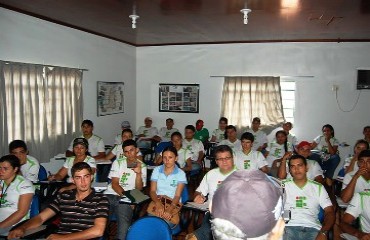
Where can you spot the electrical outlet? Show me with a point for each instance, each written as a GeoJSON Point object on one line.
{"type": "Point", "coordinates": [334, 87]}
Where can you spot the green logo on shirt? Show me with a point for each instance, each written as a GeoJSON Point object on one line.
{"type": "Point", "coordinates": [124, 178]}
{"type": "Point", "coordinates": [174, 183]}
{"type": "Point", "coordinates": [277, 152]}
{"type": "Point", "coordinates": [247, 164]}
{"type": "Point", "coordinates": [300, 201]}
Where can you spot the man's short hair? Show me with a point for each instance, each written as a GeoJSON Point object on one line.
{"type": "Point", "coordinates": [190, 127]}
{"type": "Point", "coordinates": [176, 134]}
{"type": "Point", "coordinates": [223, 119]}
{"type": "Point", "coordinates": [129, 142]}
{"type": "Point", "coordinates": [127, 130]}
{"type": "Point", "coordinates": [297, 156]}
{"type": "Point", "coordinates": [17, 144]}
{"type": "Point", "coordinates": [247, 136]}
{"type": "Point", "coordinates": [169, 119]}
{"type": "Point", "coordinates": [247, 204]}
{"type": "Point", "coordinates": [256, 119]}
{"type": "Point", "coordinates": [223, 148]}
{"type": "Point", "coordinates": [87, 122]}
{"type": "Point", "coordinates": [79, 167]}
{"type": "Point", "coordinates": [364, 153]}
{"type": "Point", "coordinates": [365, 128]}
{"type": "Point", "coordinates": [230, 127]}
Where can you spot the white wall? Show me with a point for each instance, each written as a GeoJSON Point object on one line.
{"type": "Point", "coordinates": [27, 39]}
{"type": "Point", "coordinates": [329, 63]}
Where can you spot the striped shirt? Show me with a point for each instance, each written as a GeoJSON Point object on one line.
{"type": "Point", "coordinates": [79, 216]}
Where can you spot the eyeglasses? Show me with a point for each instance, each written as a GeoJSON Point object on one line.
{"type": "Point", "coordinates": [224, 159]}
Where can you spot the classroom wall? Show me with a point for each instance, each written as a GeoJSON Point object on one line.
{"type": "Point", "coordinates": [28, 39]}
{"type": "Point", "coordinates": [328, 63]}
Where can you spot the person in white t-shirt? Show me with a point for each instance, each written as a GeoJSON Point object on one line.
{"type": "Point", "coordinates": [146, 134]}
{"type": "Point", "coordinates": [350, 163]}
{"type": "Point", "coordinates": [248, 158]}
{"type": "Point", "coordinates": [118, 138]}
{"type": "Point", "coordinates": [359, 207]}
{"type": "Point", "coordinates": [96, 143]}
{"type": "Point", "coordinates": [314, 170]}
{"type": "Point", "coordinates": [231, 139]}
{"type": "Point", "coordinates": [166, 132]}
{"type": "Point", "coordinates": [357, 181]}
{"type": "Point", "coordinates": [16, 194]}
{"type": "Point", "coordinates": [127, 173]}
{"type": "Point", "coordinates": [29, 165]}
{"type": "Point", "coordinates": [219, 134]}
{"type": "Point", "coordinates": [291, 138]}
{"type": "Point", "coordinates": [304, 198]}
{"type": "Point", "coordinates": [195, 147]}
{"type": "Point", "coordinates": [260, 137]}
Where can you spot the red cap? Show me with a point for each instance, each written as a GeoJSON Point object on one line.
{"type": "Point", "coordinates": [302, 144]}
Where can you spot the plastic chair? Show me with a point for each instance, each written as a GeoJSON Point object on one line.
{"type": "Point", "coordinates": [184, 200]}
{"type": "Point", "coordinates": [43, 175]}
{"type": "Point", "coordinates": [141, 229]}
{"type": "Point", "coordinates": [35, 206]}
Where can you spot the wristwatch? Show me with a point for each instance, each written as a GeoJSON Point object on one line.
{"type": "Point", "coordinates": [324, 232]}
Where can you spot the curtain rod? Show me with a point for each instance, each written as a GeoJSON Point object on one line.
{"type": "Point", "coordinates": [265, 76]}
{"type": "Point", "coordinates": [44, 65]}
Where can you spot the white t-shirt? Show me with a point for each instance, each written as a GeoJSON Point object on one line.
{"type": "Point", "coordinates": [260, 138]}
{"type": "Point", "coordinates": [347, 162]}
{"type": "Point", "coordinates": [361, 184]}
{"type": "Point", "coordinates": [30, 170]}
{"type": "Point", "coordinates": [69, 164]}
{"type": "Point", "coordinates": [96, 145]}
{"type": "Point", "coordinates": [276, 151]}
{"type": "Point", "coordinates": [194, 147]}
{"type": "Point", "coordinates": [304, 203]}
{"type": "Point", "coordinates": [322, 145]}
{"type": "Point", "coordinates": [126, 175]}
{"type": "Point", "coordinates": [360, 207]}
{"type": "Point", "coordinates": [183, 155]}
{"type": "Point", "coordinates": [10, 196]}
{"type": "Point", "coordinates": [252, 160]}
{"type": "Point", "coordinates": [314, 170]}
{"type": "Point", "coordinates": [165, 133]}
{"type": "Point", "coordinates": [147, 132]}
{"type": "Point", "coordinates": [211, 181]}
{"type": "Point", "coordinates": [235, 146]}
{"type": "Point", "coordinates": [219, 134]}
{"type": "Point", "coordinates": [118, 139]}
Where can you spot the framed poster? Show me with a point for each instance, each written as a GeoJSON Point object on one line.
{"type": "Point", "coordinates": [179, 98]}
{"type": "Point", "coordinates": [110, 98]}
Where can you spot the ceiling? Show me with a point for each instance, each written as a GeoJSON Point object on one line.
{"type": "Point", "coordinates": [172, 22]}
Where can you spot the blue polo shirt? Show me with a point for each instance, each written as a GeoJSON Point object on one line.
{"type": "Point", "coordinates": [166, 185]}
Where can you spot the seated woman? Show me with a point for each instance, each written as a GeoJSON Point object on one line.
{"type": "Point", "coordinates": [16, 194]}
{"type": "Point", "coordinates": [277, 150]}
{"type": "Point", "coordinates": [80, 150]}
{"type": "Point", "coordinates": [350, 164]}
{"type": "Point", "coordinates": [328, 158]}
{"type": "Point", "coordinates": [219, 134]}
{"type": "Point", "coordinates": [184, 155]}
{"type": "Point", "coordinates": [168, 180]}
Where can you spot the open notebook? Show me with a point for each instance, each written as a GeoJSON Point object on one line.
{"type": "Point", "coordinates": [134, 196]}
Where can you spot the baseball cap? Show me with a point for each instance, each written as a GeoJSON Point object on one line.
{"type": "Point", "coordinates": [125, 124]}
{"type": "Point", "coordinates": [303, 144]}
{"type": "Point", "coordinates": [250, 200]}
{"type": "Point", "coordinates": [81, 141]}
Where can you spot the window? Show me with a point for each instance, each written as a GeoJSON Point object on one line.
{"type": "Point", "coordinates": [287, 85]}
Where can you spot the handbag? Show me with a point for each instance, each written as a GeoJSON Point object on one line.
{"type": "Point", "coordinates": [166, 202]}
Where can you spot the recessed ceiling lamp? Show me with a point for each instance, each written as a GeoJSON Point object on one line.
{"type": "Point", "coordinates": [133, 16]}
{"type": "Point", "coordinates": [245, 12]}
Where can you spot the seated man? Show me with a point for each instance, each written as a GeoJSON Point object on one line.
{"type": "Point", "coordinates": [166, 132]}
{"type": "Point", "coordinates": [357, 181]}
{"type": "Point", "coordinates": [29, 165]}
{"type": "Point", "coordinates": [117, 151]}
{"type": "Point", "coordinates": [202, 133]}
{"type": "Point", "coordinates": [118, 138]}
{"type": "Point", "coordinates": [314, 169]}
{"type": "Point", "coordinates": [248, 205]}
{"type": "Point", "coordinates": [358, 207]}
{"type": "Point", "coordinates": [210, 182]}
{"type": "Point", "coordinates": [195, 147]}
{"type": "Point", "coordinates": [146, 134]}
{"type": "Point", "coordinates": [96, 143]}
{"type": "Point", "coordinates": [248, 158]}
{"type": "Point", "coordinates": [231, 139]}
{"type": "Point", "coordinates": [83, 212]}
{"type": "Point", "coordinates": [260, 137]}
{"type": "Point", "coordinates": [304, 198]}
{"type": "Point", "coordinates": [127, 173]}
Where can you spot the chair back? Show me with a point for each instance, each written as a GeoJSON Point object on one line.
{"type": "Point", "coordinates": [141, 229]}
{"type": "Point", "coordinates": [43, 175]}
{"type": "Point", "coordinates": [35, 206]}
{"type": "Point", "coordinates": [185, 195]}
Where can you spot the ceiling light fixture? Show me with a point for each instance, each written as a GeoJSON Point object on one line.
{"type": "Point", "coordinates": [134, 16]}
{"type": "Point", "coordinates": [245, 12]}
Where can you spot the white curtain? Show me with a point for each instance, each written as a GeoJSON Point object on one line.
{"type": "Point", "coordinates": [244, 98]}
{"type": "Point", "coordinates": [41, 106]}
